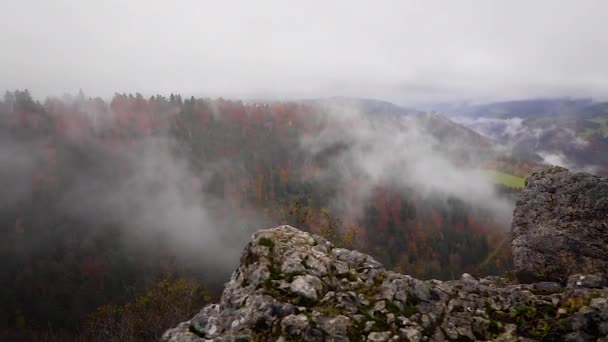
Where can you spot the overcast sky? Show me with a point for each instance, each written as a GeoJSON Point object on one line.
{"type": "Point", "coordinates": [403, 51]}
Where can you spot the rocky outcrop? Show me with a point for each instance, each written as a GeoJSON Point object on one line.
{"type": "Point", "coordinates": [560, 226]}
{"type": "Point", "coordinates": [294, 286]}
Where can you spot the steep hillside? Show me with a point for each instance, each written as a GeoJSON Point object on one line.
{"type": "Point", "coordinates": [370, 106]}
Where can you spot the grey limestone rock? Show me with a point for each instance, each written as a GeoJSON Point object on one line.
{"type": "Point", "coordinates": [343, 295]}
{"type": "Point", "coordinates": [560, 226]}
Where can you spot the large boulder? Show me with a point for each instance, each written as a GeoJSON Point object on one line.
{"type": "Point", "coordinates": [294, 286]}
{"type": "Point", "coordinates": [560, 226]}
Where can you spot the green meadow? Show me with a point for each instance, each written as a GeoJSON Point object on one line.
{"type": "Point", "coordinates": [507, 179]}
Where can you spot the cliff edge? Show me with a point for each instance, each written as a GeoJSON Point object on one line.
{"type": "Point", "coordinates": [560, 226]}
{"type": "Point", "coordinates": [295, 286]}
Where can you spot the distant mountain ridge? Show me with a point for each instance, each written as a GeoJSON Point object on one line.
{"type": "Point", "coordinates": [438, 125]}
{"type": "Point", "coordinates": [366, 105]}
{"type": "Point", "coordinates": [572, 133]}
{"type": "Point", "coordinates": [528, 108]}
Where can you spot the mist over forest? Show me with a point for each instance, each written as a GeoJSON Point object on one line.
{"type": "Point", "coordinates": [142, 143]}
{"type": "Point", "coordinates": [121, 194]}
{"type": "Point", "coordinates": [126, 193]}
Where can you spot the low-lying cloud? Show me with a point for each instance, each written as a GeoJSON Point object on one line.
{"type": "Point", "coordinates": [152, 197]}
{"type": "Point", "coordinates": [399, 153]}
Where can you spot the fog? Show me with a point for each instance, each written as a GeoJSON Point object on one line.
{"type": "Point", "coordinates": [502, 129]}
{"type": "Point", "coordinates": [160, 197]}
{"type": "Point", "coordinates": [154, 200]}
{"type": "Point", "coordinates": [151, 192]}
{"type": "Point", "coordinates": [407, 52]}
{"type": "Point", "coordinates": [402, 153]}
{"type": "Point", "coordinates": [554, 144]}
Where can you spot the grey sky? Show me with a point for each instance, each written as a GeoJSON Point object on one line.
{"type": "Point", "coordinates": [404, 51]}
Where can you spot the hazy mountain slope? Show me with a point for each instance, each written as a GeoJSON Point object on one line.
{"type": "Point", "coordinates": [566, 132]}
{"type": "Point", "coordinates": [442, 128]}
{"type": "Point", "coordinates": [376, 109]}
{"type": "Point", "coordinates": [529, 108]}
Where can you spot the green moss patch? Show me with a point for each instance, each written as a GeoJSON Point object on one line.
{"type": "Point", "coordinates": [266, 242]}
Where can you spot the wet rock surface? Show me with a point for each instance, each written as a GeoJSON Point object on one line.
{"type": "Point", "coordinates": [292, 285]}
{"type": "Point", "coordinates": [560, 226]}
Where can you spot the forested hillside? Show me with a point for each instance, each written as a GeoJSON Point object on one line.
{"type": "Point", "coordinates": [104, 202]}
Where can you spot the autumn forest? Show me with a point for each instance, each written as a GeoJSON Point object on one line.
{"type": "Point", "coordinates": [114, 210]}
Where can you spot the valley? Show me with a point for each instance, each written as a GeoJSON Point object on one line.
{"type": "Point", "coordinates": [136, 196]}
